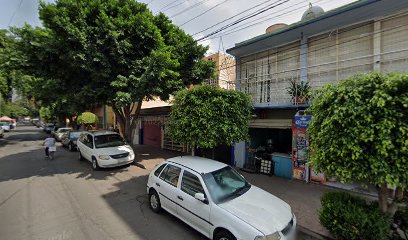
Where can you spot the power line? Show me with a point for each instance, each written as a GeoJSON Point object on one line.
{"type": "Point", "coordinates": [189, 8]}
{"type": "Point", "coordinates": [14, 13]}
{"type": "Point", "coordinates": [256, 21]}
{"type": "Point", "coordinates": [167, 5]}
{"type": "Point", "coordinates": [199, 15]}
{"type": "Point", "coordinates": [278, 3]}
{"type": "Point", "coordinates": [236, 15]}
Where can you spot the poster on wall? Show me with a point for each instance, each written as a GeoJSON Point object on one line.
{"type": "Point", "coordinates": [300, 149]}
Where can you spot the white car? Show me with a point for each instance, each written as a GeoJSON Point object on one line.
{"type": "Point", "coordinates": [5, 126]}
{"type": "Point", "coordinates": [218, 202]}
{"type": "Point", "coordinates": [59, 132]}
{"type": "Point", "coordinates": [104, 149]}
{"type": "Point", "coordinates": [1, 132]}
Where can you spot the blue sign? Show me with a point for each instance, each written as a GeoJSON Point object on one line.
{"type": "Point", "coordinates": [302, 121]}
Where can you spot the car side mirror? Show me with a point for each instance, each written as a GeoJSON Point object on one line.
{"type": "Point", "coordinates": [201, 197]}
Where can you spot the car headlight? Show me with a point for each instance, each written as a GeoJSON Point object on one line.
{"type": "Point", "coordinates": [273, 236]}
{"type": "Point", "coordinates": [104, 157]}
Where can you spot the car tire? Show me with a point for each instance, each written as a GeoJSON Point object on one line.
{"type": "Point", "coordinates": [224, 235]}
{"type": "Point", "coordinates": [154, 201]}
{"type": "Point", "coordinates": [95, 165]}
{"type": "Point", "coordinates": [70, 147]}
{"type": "Point", "coordinates": [80, 157]}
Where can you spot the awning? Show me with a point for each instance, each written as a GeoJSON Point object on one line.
{"type": "Point", "coordinates": [6, 119]}
{"type": "Point", "coordinates": [271, 123]}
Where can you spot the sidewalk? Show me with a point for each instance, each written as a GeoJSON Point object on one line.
{"type": "Point", "coordinates": [304, 198]}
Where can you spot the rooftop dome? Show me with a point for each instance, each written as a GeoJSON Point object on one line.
{"type": "Point", "coordinates": [312, 12]}
{"type": "Point", "coordinates": [275, 27]}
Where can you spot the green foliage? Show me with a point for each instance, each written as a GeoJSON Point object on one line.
{"type": "Point", "coordinates": [301, 89]}
{"type": "Point", "coordinates": [349, 217]}
{"type": "Point", "coordinates": [359, 129]}
{"type": "Point", "coordinates": [401, 218]}
{"type": "Point", "coordinates": [113, 52]}
{"type": "Point", "coordinates": [87, 118]}
{"type": "Point", "coordinates": [13, 110]}
{"type": "Point", "coordinates": [11, 75]}
{"type": "Point", "coordinates": [46, 114]}
{"type": "Point", "coordinates": [207, 115]}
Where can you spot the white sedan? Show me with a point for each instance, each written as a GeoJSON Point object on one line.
{"type": "Point", "coordinates": [218, 202]}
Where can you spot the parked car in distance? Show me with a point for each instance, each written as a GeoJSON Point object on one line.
{"type": "Point", "coordinates": [58, 132]}
{"type": "Point", "coordinates": [5, 126]}
{"type": "Point", "coordinates": [1, 132]}
{"type": "Point", "coordinates": [69, 139]}
{"type": "Point", "coordinates": [49, 127]}
{"type": "Point", "coordinates": [217, 201]}
{"type": "Point", "coordinates": [104, 149]}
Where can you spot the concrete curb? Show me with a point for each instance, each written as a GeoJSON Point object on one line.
{"type": "Point", "coordinates": [314, 234]}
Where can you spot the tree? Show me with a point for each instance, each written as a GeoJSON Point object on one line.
{"type": "Point", "coordinates": [87, 118]}
{"type": "Point", "coordinates": [206, 116]}
{"type": "Point", "coordinates": [13, 109]}
{"type": "Point", "coordinates": [359, 132]}
{"type": "Point", "coordinates": [113, 52]}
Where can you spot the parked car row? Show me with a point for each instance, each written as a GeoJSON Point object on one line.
{"type": "Point", "coordinates": [210, 196]}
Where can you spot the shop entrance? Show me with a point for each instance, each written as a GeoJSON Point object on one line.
{"type": "Point", "coordinates": [269, 151]}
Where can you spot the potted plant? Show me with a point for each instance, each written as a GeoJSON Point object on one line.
{"type": "Point", "coordinates": [300, 92]}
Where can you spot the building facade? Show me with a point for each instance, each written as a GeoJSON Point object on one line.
{"type": "Point", "coordinates": [154, 114]}
{"type": "Point", "coordinates": [322, 48]}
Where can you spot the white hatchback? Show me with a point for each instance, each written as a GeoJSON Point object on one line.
{"type": "Point", "coordinates": [104, 149]}
{"type": "Point", "coordinates": [218, 202]}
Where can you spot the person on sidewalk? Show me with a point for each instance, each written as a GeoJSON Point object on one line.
{"type": "Point", "coordinates": [48, 142]}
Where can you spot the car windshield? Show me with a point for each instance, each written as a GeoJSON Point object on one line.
{"type": "Point", "coordinates": [4, 124]}
{"type": "Point", "coordinates": [74, 135]}
{"type": "Point", "coordinates": [225, 184]}
{"type": "Point", "coordinates": [110, 140]}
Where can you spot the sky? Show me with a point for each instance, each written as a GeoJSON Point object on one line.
{"type": "Point", "coordinates": [202, 13]}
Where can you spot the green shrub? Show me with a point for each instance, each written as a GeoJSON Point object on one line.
{"type": "Point", "coordinates": [350, 217]}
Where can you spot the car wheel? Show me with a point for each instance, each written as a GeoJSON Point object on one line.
{"type": "Point", "coordinates": [70, 148]}
{"type": "Point", "coordinates": [80, 157]}
{"type": "Point", "coordinates": [154, 201]}
{"type": "Point", "coordinates": [95, 165]}
{"type": "Point", "coordinates": [224, 235]}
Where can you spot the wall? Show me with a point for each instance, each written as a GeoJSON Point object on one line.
{"type": "Point", "coordinates": [381, 44]}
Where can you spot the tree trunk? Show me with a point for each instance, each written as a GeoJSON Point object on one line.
{"type": "Point", "coordinates": [127, 122]}
{"type": "Point", "coordinates": [383, 199]}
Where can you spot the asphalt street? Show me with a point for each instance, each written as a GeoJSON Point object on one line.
{"type": "Point", "coordinates": [63, 198]}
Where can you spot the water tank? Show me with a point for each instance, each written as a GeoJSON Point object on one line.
{"type": "Point", "coordinates": [312, 12]}
{"type": "Point", "coordinates": [275, 27]}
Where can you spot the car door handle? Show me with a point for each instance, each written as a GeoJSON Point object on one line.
{"type": "Point", "coordinates": [180, 198]}
{"type": "Point", "coordinates": [157, 184]}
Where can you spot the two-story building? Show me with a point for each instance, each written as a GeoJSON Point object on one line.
{"type": "Point", "coordinates": [323, 47]}
{"type": "Point", "coordinates": [152, 122]}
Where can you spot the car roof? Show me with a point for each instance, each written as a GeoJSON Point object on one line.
{"type": "Point", "coordinates": [101, 132]}
{"type": "Point", "coordinates": [198, 164]}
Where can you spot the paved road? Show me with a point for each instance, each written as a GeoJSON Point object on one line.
{"type": "Point", "coordinates": [64, 199]}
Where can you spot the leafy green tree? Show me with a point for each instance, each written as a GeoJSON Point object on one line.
{"type": "Point", "coordinates": [11, 76]}
{"type": "Point", "coordinates": [14, 110]}
{"type": "Point", "coordinates": [359, 132]}
{"type": "Point", "coordinates": [113, 52]}
{"type": "Point", "coordinates": [207, 115]}
{"type": "Point", "coordinates": [87, 118]}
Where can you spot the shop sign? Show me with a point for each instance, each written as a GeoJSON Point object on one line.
{"type": "Point", "coordinates": [302, 121]}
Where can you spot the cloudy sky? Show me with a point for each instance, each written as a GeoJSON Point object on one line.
{"type": "Point", "coordinates": [194, 16]}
